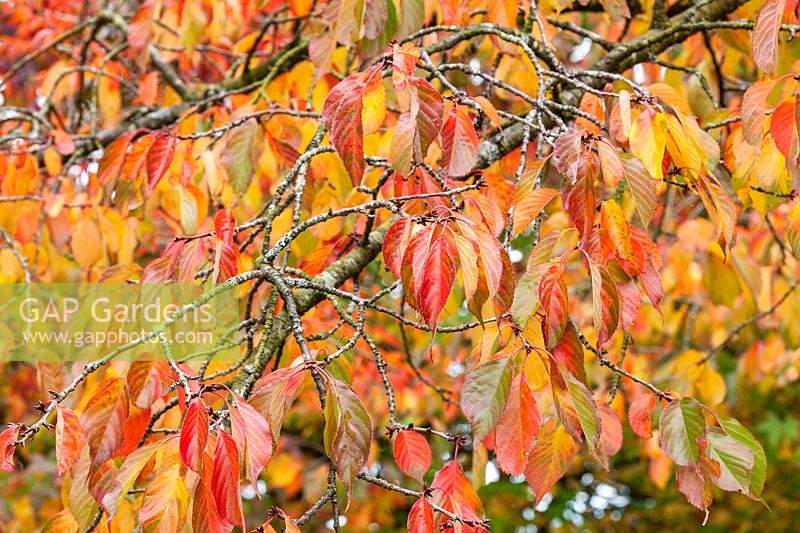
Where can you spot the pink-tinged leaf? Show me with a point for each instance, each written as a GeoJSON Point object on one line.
{"type": "Point", "coordinates": [226, 252]}
{"type": "Point", "coordinates": [438, 275]}
{"type": "Point", "coordinates": [567, 153]}
{"type": "Point", "coordinates": [348, 431]}
{"type": "Point", "coordinates": [395, 243]}
{"type": "Point", "coordinates": [159, 158]}
{"type": "Point", "coordinates": [765, 35]}
{"type": "Point", "coordinates": [8, 439]}
{"type": "Point", "coordinates": [640, 415]}
{"type": "Point", "coordinates": [194, 435]}
{"type": "Point", "coordinates": [70, 439]}
{"type": "Point", "coordinates": [274, 394]}
{"type": "Point", "coordinates": [631, 299]}
{"type": "Point", "coordinates": [453, 491]}
{"type": "Point", "coordinates": [754, 108]}
{"type": "Point", "coordinates": [459, 143]}
{"type": "Point", "coordinates": [605, 302]}
{"type": "Point", "coordinates": [651, 283]}
{"type": "Point", "coordinates": [550, 458]}
{"type": "Point", "coordinates": [610, 434]}
{"type": "Point", "coordinates": [253, 438]}
{"type": "Point", "coordinates": [104, 418]}
{"type": "Point", "coordinates": [225, 480]}
{"type": "Point", "coordinates": [691, 484]}
{"type": "Point", "coordinates": [529, 206]}
{"type": "Point", "coordinates": [412, 453]}
{"type": "Point", "coordinates": [554, 302]}
{"type": "Point", "coordinates": [610, 164]}
{"type": "Point", "coordinates": [484, 395]}
{"type": "Point", "coordinates": [63, 142]}
{"type": "Point", "coordinates": [642, 187]}
{"type": "Point", "coordinates": [420, 518]}
{"type": "Point", "coordinates": [517, 428]}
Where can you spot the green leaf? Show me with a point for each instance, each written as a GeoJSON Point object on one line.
{"type": "Point", "coordinates": [484, 395]}
{"type": "Point", "coordinates": [735, 460]}
{"type": "Point", "coordinates": [681, 423]}
{"type": "Point", "coordinates": [741, 434]}
{"type": "Point", "coordinates": [576, 408]}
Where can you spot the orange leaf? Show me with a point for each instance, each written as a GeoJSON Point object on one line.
{"type": "Point", "coordinates": [412, 453]}
{"type": "Point", "coordinates": [194, 435]}
{"type": "Point", "coordinates": [70, 439]}
{"type": "Point", "coordinates": [459, 143]}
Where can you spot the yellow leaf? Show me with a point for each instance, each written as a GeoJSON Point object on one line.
{"type": "Point", "coordinates": [87, 243]}
{"type": "Point", "coordinates": [648, 138]}
{"type": "Point", "coordinates": [615, 224]}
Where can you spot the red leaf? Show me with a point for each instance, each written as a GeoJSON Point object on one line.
{"type": "Point", "coordinates": [453, 491]}
{"type": "Point", "coordinates": [605, 299]}
{"type": "Point", "coordinates": [413, 264]}
{"type": "Point", "coordinates": [459, 143]}
{"type": "Point", "coordinates": [104, 419]}
{"type": "Point", "coordinates": [579, 202]}
{"type": "Point", "coordinates": [553, 297]}
{"type": "Point", "coordinates": [639, 415]}
{"type": "Point", "coordinates": [159, 158]}
{"type": "Point", "coordinates": [517, 428]}
{"type": "Point", "coordinates": [412, 453]}
{"type": "Point", "coordinates": [342, 115]}
{"type": "Point", "coordinates": [765, 35]}
{"type": "Point", "coordinates": [437, 280]}
{"type": "Point", "coordinates": [420, 518]}
{"type": "Point", "coordinates": [783, 129]}
{"type": "Point", "coordinates": [253, 438]}
{"type": "Point", "coordinates": [8, 439]}
{"type": "Point", "coordinates": [226, 253]}
{"type": "Point", "coordinates": [194, 434]}
{"type": "Point", "coordinates": [70, 439]}
{"type": "Point", "coordinates": [395, 243]}
{"type": "Point", "coordinates": [205, 516]}
{"type": "Point", "coordinates": [225, 480]}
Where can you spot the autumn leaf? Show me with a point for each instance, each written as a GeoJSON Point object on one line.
{"type": "Point", "coordinates": [243, 144]}
{"type": "Point", "coordinates": [420, 517]}
{"type": "Point", "coordinates": [348, 431]}
{"type": "Point", "coordinates": [517, 427]}
{"type": "Point", "coordinates": [103, 419]}
{"type": "Point", "coordinates": [438, 274]}
{"type": "Point", "coordinates": [459, 143]}
{"type": "Point", "coordinates": [194, 434]}
{"type": "Point", "coordinates": [484, 395]}
{"type": "Point", "coordinates": [225, 480]}
{"type": "Point", "coordinates": [70, 439]}
{"type": "Point", "coordinates": [681, 424]}
{"type": "Point", "coordinates": [550, 458]}
{"type": "Point", "coordinates": [765, 35]}
{"type": "Point", "coordinates": [253, 438]}
{"type": "Point", "coordinates": [159, 158]}
{"type": "Point", "coordinates": [639, 415]}
{"type": "Point", "coordinates": [412, 453]}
